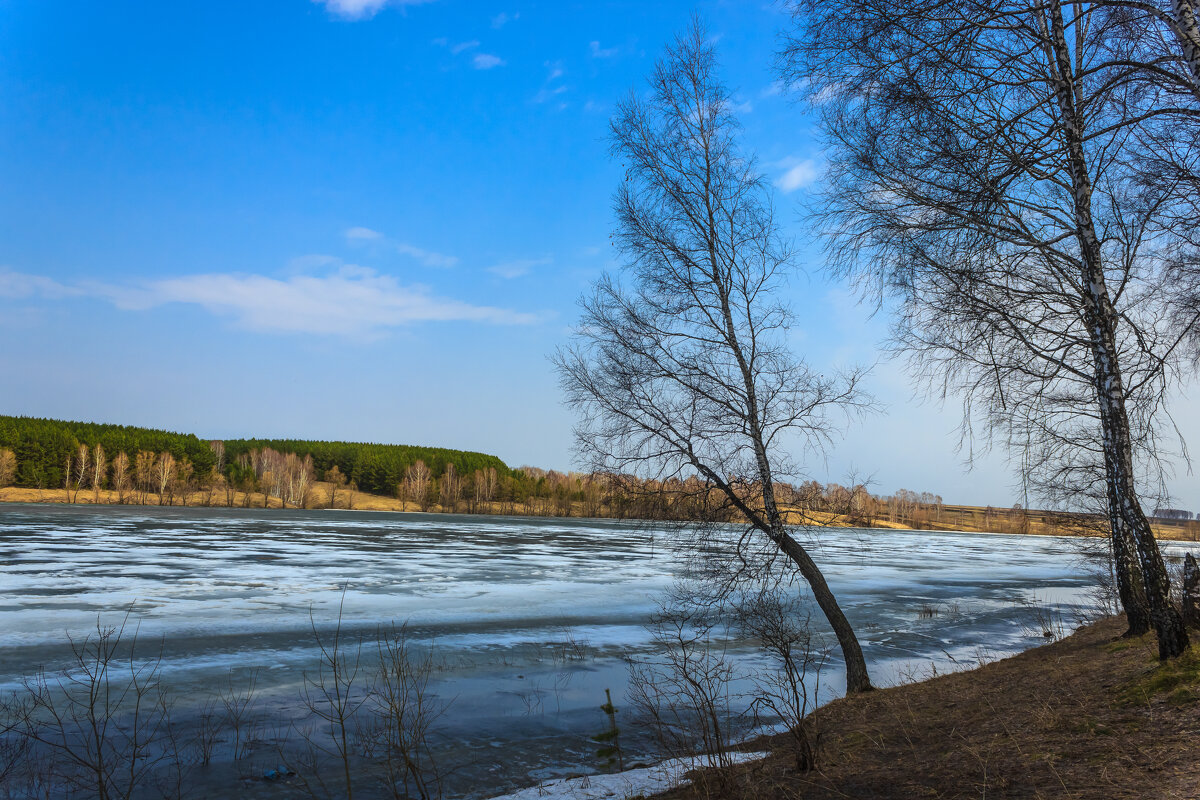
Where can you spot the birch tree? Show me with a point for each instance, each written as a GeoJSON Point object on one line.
{"type": "Point", "coordinates": [417, 480]}
{"type": "Point", "coordinates": [120, 475]}
{"type": "Point", "coordinates": [164, 475]}
{"type": "Point", "coordinates": [144, 474]}
{"type": "Point", "coordinates": [682, 371]}
{"type": "Point", "coordinates": [99, 471]}
{"type": "Point", "coordinates": [980, 182]}
{"type": "Point", "coordinates": [449, 489]}
{"type": "Point", "coordinates": [82, 463]}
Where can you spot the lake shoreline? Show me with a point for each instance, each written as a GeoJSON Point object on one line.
{"type": "Point", "coordinates": [379, 504]}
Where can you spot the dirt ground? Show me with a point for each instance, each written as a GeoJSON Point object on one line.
{"type": "Point", "coordinates": [1091, 716]}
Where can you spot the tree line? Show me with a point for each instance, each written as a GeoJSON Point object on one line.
{"type": "Point", "coordinates": [137, 462]}
{"type": "Point", "coordinates": [145, 466]}
{"type": "Point", "coordinates": [42, 448]}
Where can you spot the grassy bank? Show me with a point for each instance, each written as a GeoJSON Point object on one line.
{"type": "Point", "coordinates": [970, 519]}
{"type": "Point", "coordinates": [1091, 716]}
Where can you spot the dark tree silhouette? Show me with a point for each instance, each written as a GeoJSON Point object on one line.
{"type": "Point", "coordinates": [682, 376]}
{"type": "Point", "coordinates": [982, 181]}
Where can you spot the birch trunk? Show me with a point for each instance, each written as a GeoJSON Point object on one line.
{"type": "Point", "coordinates": [1130, 588]}
{"type": "Point", "coordinates": [1100, 318]}
{"type": "Point", "coordinates": [1187, 33]}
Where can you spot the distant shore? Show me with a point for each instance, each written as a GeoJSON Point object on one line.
{"type": "Point", "coordinates": [965, 519]}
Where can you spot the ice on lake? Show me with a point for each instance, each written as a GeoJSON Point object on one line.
{"type": "Point", "coordinates": [529, 617]}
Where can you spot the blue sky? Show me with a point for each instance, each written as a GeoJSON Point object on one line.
{"type": "Point", "coordinates": [363, 219]}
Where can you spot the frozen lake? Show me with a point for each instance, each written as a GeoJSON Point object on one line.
{"type": "Point", "coordinates": [529, 616]}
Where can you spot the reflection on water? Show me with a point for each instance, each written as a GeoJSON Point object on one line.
{"type": "Point", "coordinates": [529, 616]}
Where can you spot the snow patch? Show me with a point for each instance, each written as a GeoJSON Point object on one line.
{"type": "Point", "coordinates": [631, 783]}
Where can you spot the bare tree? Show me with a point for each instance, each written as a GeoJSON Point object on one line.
{"type": "Point", "coordinates": [682, 692]}
{"type": "Point", "coordinates": [8, 467]}
{"type": "Point", "coordinates": [144, 474]}
{"type": "Point", "coordinates": [417, 482]}
{"type": "Point", "coordinates": [331, 694]}
{"type": "Point", "coordinates": [101, 717]}
{"type": "Point", "coordinates": [164, 475]}
{"type": "Point", "coordinates": [790, 690]}
{"type": "Point", "coordinates": [449, 489]}
{"type": "Point", "coordinates": [82, 471]}
{"type": "Point", "coordinates": [218, 448]}
{"type": "Point", "coordinates": [99, 471]}
{"type": "Point", "coordinates": [684, 374]}
{"type": "Point", "coordinates": [210, 484]}
{"type": "Point", "coordinates": [120, 475]}
{"type": "Point", "coordinates": [978, 178]}
{"type": "Point", "coordinates": [336, 480]}
{"type": "Point", "coordinates": [404, 712]}
{"type": "Point", "coordinates": [184, 481]}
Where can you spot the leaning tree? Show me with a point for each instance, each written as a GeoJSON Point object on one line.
{"type": "Point", "coordinates": [982, 181]}
{"type": "Point", "coordinates": [679, 367]}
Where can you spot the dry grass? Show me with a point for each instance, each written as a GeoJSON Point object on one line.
{"type": "Point", "coordinates": [970, 519]}
{"type": "Point", "coordinates": [1086, 717]}
{"type": "Point", "coordinates": [319, 498]}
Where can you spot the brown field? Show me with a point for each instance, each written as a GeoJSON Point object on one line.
{"type": "Point", "coordinates": [1091, 716]}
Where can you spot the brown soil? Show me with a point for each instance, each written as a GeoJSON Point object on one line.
{"type": "Point", "coordinates": [1091, 716]}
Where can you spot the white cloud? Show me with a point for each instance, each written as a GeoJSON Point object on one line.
{"type": "Point", "coordinates": [515, 269]}
{"type": "Point", "coordinates": [458, 48]}
{"type": "Point", "coordinates": [487, 61]}
{"type": "Point", "coordinates": [342, 300]}
{"type": "Point", "coordinates": [601, 52]}
{"type": "Point", "coordinates": [797, 174]}
{"type": "Point", "coordinates": [364, 9]}
{"type": "Point", "coordinates": [349, 301]}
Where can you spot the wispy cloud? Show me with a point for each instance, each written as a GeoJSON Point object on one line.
{"type": "Point", "coordinates": [352, 301]}
{"type": "Point", "coordinates": [773, 90]}
{"type": "Point", "coordinates": [363, 234]}
{"type": "Point", "coordinates": [797, 173]}
{"type": "Point", "coordinates": [426, 257]}
{"type": "Point", "coordinates": [602, 52]}
{"type": "Point", "coordinates": [487, 61]}
{"type": "Point", "coordinates": [348, 300]}
{"type": "Point", "coordinates": [21, 285]}
{"type": "Point", "coordinates": [377, 241]}
{"type": "Point", "coordinates": [740, 106]}
{"type": "Point", "coordinates": [551, 88]}
{"type": "Point", "coordinates": [503, 18]}
{"type": "Point", "coordinates": [478, 60]}
{"type": "Point", "coordinates": [364, 9]}
{"type": "Point", "coordinates": [517, 268]}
